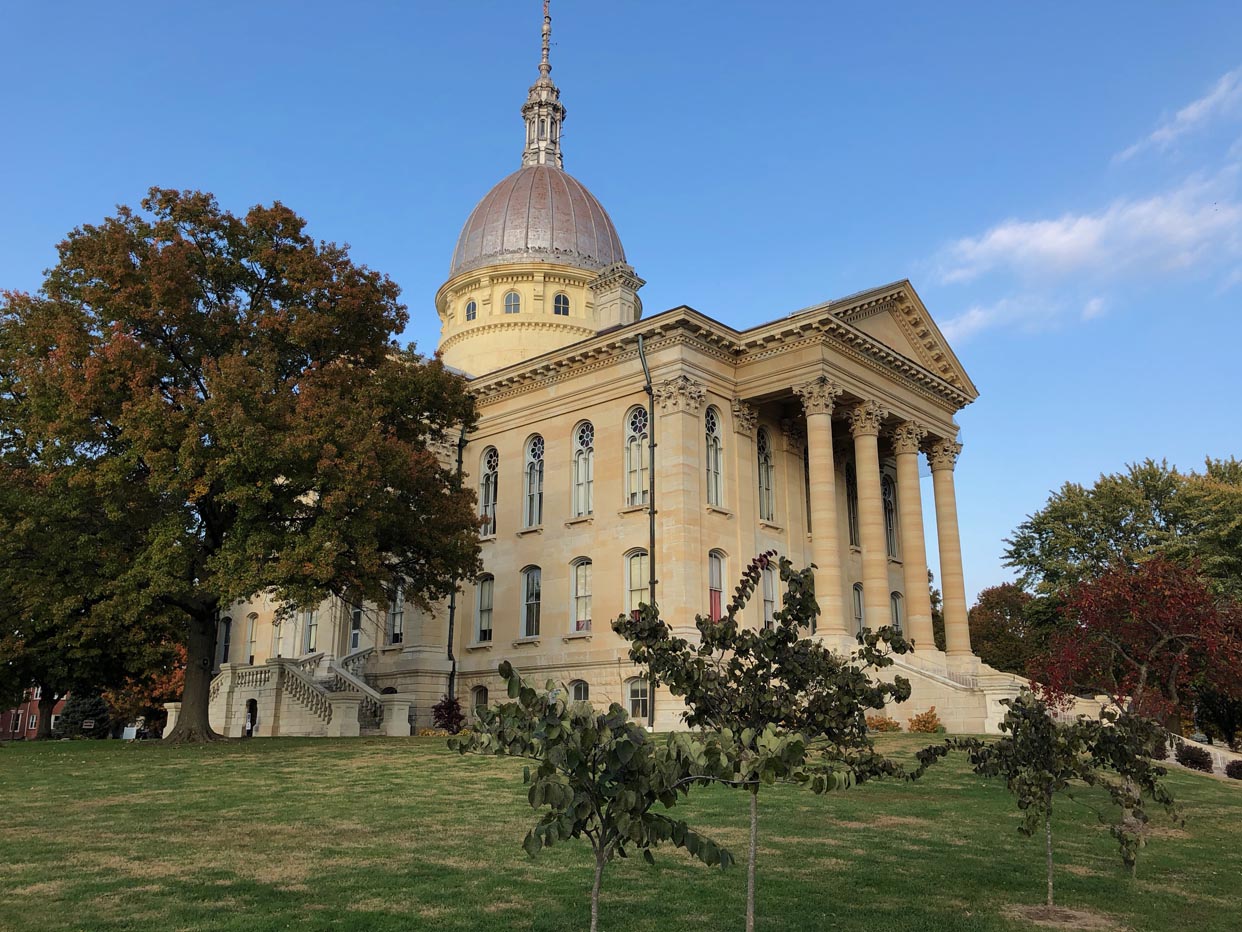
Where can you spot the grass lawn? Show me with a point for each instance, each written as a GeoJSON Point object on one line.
{"type": "Point", "coordinates": [393, 834]}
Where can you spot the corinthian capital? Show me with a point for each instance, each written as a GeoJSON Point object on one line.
{"type": "Point", "coordinates": [908, 437]}
{"type": "Point", "coordinates": [819, 396]}
{"type": "Point", "coordinates": [943, 454]}
{"type": "Point", "coordinates": [745, 417]}
{"type": "Point", "coordinates": [680, 393]}
{"type": "Point", "coordinates": [865, 418]}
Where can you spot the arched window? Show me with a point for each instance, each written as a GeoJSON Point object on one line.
{"type": "Point", "coordinates": [310, 625]}
{"type": "Point", "coordinates": [226, 635]}
{"type": "Point", "coordinates": [253, 639]}
{"type": "Point", "coordinates": [637, 579]}
{"type": "Point", "coordinates": [581, 578]}
{"type": "Point", "coordinates": [579, 691]}
{"type": "Point", "coordinates": [395, 629]}
{"type": "Point", "coordinates": [488, 485]}
{"type": "Point", "coordinates": [560, 305]}
{"type": "Point", "coordinates": [715, 456]}
{"type": "Point", "coordinates": [534, 482]}
{"type": "Point", "coordinates": [851, 503]}
{"type": "Point", "coordinates": [767, 491]}
{"type": "Point", "coordinates": [513, 303]}
{"type": "Point", "coordinates": [858, 607]}
{"type": "Point", "coordinates": [769, 596]}
{"type": "Point", "coordinates": [483, 622]}
{"type": "Point", "coordinates": [637, 454]}
{"type": "Point", "coordinates": [472, 310]}
{"type": "Point", "coordinates": [715, 585]}
{"type": "Point", "coordinates": [889, 492]}
{"type": "Point", "coordinates": [584, 469]}
{"type": "Point", "coordinates": [894, 600]}
{"type": "Point", "coordinates": [531, 599]}
{"type": "Point", "coordinates": [639, 698]}
{"type": "Point", "coordinates": [478, 698]}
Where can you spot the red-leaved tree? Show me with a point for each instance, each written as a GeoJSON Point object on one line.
{"type": "Point", "coordinates": [1140, 635]}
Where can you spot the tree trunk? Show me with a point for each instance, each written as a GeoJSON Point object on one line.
{"type": "Point", "coordinates": [47, 702]}
{"type": "Point", "coordinates": [599, 877]}
{"type": "Point", "coordinates": [192, 725]}
{"type": "Point", "coordinates": [1048, 843]}
{"type": "Point", "coordinates": [750, 860]}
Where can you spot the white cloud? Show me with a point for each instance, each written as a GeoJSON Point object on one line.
{"type": "Point", "coordinates": [1178, 229]}
{"type": "Point", "coordinates": [1028, 312]}
{"type": "Point", "coordinates": [1094, 308]}
{"type": "Point", "coordinates": [1224, 97]}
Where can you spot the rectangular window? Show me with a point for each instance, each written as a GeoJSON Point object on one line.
{"type": "Point", "coordinates": [582, 596]}
{"type": "Point", "coordinates": [637, 583]}
{"type": "Point", "coordinates": [55, 720]}
{"type": "Point", "coordinates": [355, 627]}
{"type": "Point", "coordinates": [311, 621]}
{"type": "Point", "coordinates": [769, 597]}
{"type": "Point", "coordinates": [33, 723]}
{"type": "Point", "coordinates": [36, 693]}
{"type": "Point", "coordinates": [275, 638]}
{"type": "Point", "coordinates": [485, 610]}
{"type": "Point", "coordinates": [531, 603]}
{"type": "Point", "coordinates": [254, 636]}
{"type": "Point", "coordinates": [396, 616]}
{"type": "Point", "coordinates": [17, 722]}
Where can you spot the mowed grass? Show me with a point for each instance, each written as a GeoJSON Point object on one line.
{"type": "Point", "coordinates": [393, 834]}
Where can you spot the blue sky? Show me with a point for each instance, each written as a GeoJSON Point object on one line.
{"type": "Point", "coordinates": [1060, 181]}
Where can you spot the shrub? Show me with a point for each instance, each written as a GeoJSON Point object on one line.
{"type": "Point", "coordinates": [1160, 749]}
{"type": "Point", "coordinates": [1233, 769]}
{"type": "Point", "coordinates": [925, 723]}
{"type": "Point", "coordinates": [447, 714]}
{"type": "Point", "coordinates": [882, 723]}
{"type": "Point", "coordinates": [1195, 758]}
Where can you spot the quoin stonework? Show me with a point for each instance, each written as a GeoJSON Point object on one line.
{"type": "Point", "coordinates": [806, 436]}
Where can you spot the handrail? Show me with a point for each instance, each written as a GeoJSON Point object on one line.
{"type": "Point", "coordinates": [351, 662]}
{"type": "Point", "coordinates": [302, 688]}
{"type": "Point", "coordinates": [370, 698]}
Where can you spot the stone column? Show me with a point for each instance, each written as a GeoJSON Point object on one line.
{"type": "Point", "coordinates": [906, 440]}
{"type": "Point", "coordinates": [943, 456]}
{"type": "Point", "coordinates": [742, 494]}
{"type": "Point", "coordinates": [818, 398]}
{"type": "Point", "coordinates": [865, 421]}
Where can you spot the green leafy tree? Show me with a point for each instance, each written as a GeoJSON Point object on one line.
{"type": "Point", "coordinates": [78, 711]}
{"type": "Point", "coordinates": [1218, 712]}
{"type": "Point", "coordinates": [1039, 759]}
{"type": "Point", "coordinates": [787, 708]}
{"type": "Point", "coordinates": [1210, 508]}
{"type": "Point", "coordinates": [1009, 627]}
{"type": "Point", "coordinates": [226, 393]}
{"type": "Point", "coordinates": [599, 775]}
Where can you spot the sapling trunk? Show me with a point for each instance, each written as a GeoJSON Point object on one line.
{"type": "Point", "coordinates": [1048, 845]}
{"type": "Point", "coordinates": [750, 860]}
{"type": "Point", "coordinates": [600, 861]}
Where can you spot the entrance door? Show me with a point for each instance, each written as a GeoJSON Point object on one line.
{"type": "Point", "coordinates": [252, 718]}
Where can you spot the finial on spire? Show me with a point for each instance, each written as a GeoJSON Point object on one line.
{"type": "Point", "coordinates": [543, 111]}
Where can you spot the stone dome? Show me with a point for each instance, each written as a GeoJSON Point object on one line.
{"type": "Point", "coordinates": [540, 213]}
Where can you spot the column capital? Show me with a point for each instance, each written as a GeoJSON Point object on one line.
{"type": "Point", "coordinates": [819, 396]}
{"type": "Point", "coordinates": [908, 436]}
{"type": "Point", "coordinates": [943, 454]}
{"type": "Point", "coordinates": [865, 418]}
{"type": "Point", "coordinates": [680, 393]}
{"type": "Point", "coordinates": [745, 417]}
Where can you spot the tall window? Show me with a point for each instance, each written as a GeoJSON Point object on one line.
{"type": "Point", "coordinates": [579, 691]}
{"type": "Point", "coordinates": [637, 578]}
{"type": "Point", "coordinates": [534, 481]}
{"type": "Point", "coordinates": [226, 635]}
{"type": "Point", "coordinates": [560, 305]}
{"type": "Point", "coordinates": [253, 640]}
{"type": "Point", "coordinates": [396, 615]}
{"type": "Point", "coordinates": [478, 698]}
{"type": "Point", "coordinates": [487, 490]}
{"type": "Point", "coordinates": [715, 456]}
{"type": "Point", "coordinates": [310, 621]}
{"type": "Point", "coordinates": [894, 601]}
{"type": "Point", "coordinates": [889, 492]}
{"type": "Point", "coordinates": [715, 585]}
{"type": "Point", "coordinates": [584, 469]}
{"type": "Point", "coordinates": [851, 503]}
{"type": "Point", "coordinates": [513, 303]}
{"type": "Point", "coordinates": [531, 598]}
{"type": "Point", "coordinates": [858, 607]}
{"type": "Point", "coordinates": [355, 627]}
{"type": "Point", "coordinates": [276, 626]}
{"type": "Point", "coordinates": [767, 491]}
{"type": "Point", "coordinates": [769, 596]}
{"type": "Point", "coordinates": [472, 310]}
{"type": "Point", "coordinates": [637, 454]}
{"type": "Point", "coordinates": [639, 697]}
{"type": "Point", "coordinates": [582, 594]}
{"type": "Point", "coordinates": [483, 626]}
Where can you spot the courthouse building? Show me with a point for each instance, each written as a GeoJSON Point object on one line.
{"type": "Point", "coordinates": [805, 435]}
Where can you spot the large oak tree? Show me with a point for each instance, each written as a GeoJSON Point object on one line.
{"type": "Point", "coordinates": [228, 393]}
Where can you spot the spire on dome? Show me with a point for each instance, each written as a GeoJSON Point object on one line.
{"type": "Point", "coordinates": [543, 111]}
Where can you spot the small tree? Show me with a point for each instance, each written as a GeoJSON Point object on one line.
{"type": "Point", "coordinates": [447, 714]}
{"type": "Point", "coordinates": [771, 691]}
{"type": "Point", "coordinates": [599, 775]}
{"type": "Point", "coordinates": [1039, 758]}
{"type": "Point", "coordinates": [80, 709]}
